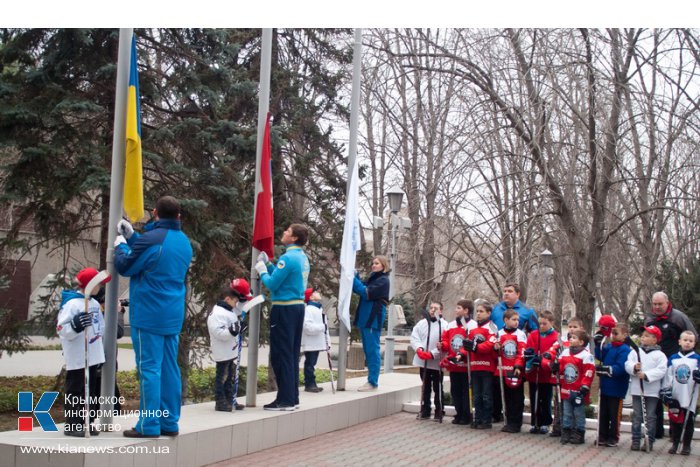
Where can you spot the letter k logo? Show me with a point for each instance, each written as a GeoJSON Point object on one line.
{"type": "Point", "coordinates": [25, 403]}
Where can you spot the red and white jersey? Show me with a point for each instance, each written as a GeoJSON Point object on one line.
{"type": "Point", "coordinates": [576, 371]}
{"type": "Point", "coordinates": [541, 344]}
{"type": "Point", "coordinates": [512, 348]}
{"type": "Point", "coordinates": [484, 359]}
{"type": "Point", "coordinates": [452, 339]}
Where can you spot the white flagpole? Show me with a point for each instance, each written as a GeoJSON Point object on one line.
{"type": "Point", "coordinates": [251, 385]}
{"type": "Point", "coordinates": [344, 314]}
{"type": "Point", "coordinates": [116, 201]}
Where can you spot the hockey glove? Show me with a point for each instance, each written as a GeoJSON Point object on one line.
{"type": "Point", "coordinates": [604, 370]}
{"type": "Point", "coordinates": [666, 396]}
{"type": "Point", "coordinates": [584, 391]}
{"type": "Point", "coordinates": [554, 367]}
{"type": "Point", "coordinates": [119, 240]}
{"type": "Point", "coordinates": [470, 345]}
{"type": "Point", "coordinates": [234, 328]}
{"type": "Point", "coordinates": [81, 321]}
{"type": "Point", "coordinates": [529, 353]}
{"type": "Point", "coordinates": [696, 376]}
{"type": "Point", "coordinates": [536, 360]}
{"type": "Point", "coordinates": [261, 268]}
{"type": "Point", "coordinates": [423, 355]}
{"type": "Point", "coordinates": [598, 338]}
{"type": "Point", "coordinates": [547, 356]}
{"type": "Point", "coordinates": [262, 256]}
{"type": "Point", "coordinates": [124, 228]}
{"type": "Point", "coordinates": [576, 398]}
{"type": "Point", "coordinates": [673, 404]}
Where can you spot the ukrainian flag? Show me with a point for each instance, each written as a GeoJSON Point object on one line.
{"type": "Point", "coordinates": [133, 176]}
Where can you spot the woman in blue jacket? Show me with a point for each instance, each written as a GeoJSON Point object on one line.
{"type": "Point", "coordinates": [369, 318]}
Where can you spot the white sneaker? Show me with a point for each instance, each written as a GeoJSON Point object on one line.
{"type": "Point", "coordinates": [367, 387]}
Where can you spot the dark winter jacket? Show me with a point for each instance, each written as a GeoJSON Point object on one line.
{"type": "Point", "coordinates": [672, 324]}
{"type": "Point", "coordinates": [374, 296]}
{"type": "Point", "coordinates": [614, 357]}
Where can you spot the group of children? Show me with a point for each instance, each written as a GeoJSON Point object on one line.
{"type": "Point", "coordinates": [226, 333]}
{"type": "Point", "coordinates": [491, 365]}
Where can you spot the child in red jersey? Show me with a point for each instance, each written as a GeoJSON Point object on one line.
{"type": "Point", "coordinates": [540, 378]}
{"type": "Point", "coordinates": [574, 324]}
{"type": "Point", "coordinates": [510, 348]}
{"type": "Point", "coordinates": [451, 342]}
{"type": "Point", "coordinates": [576, 370]}
{"type": "Point", "coordinates": [478, 350]}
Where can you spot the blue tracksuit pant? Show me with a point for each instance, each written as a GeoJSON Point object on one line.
{"type": "Point", "coordinates": [159, 381]}
{"type": "Point", "coordinates": [370, 345]}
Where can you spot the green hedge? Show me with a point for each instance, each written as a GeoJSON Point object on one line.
{"type": "Point", "coordinates": [200, 385]}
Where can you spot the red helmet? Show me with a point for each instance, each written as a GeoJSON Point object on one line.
{"type": "Point", "coordinates": [84, 277]}
{"type": "Point", "coordinates": [307, 294]}
{"type": "Point", "coordinates": [242, 288]}
{"type": "Point", "coordinates": [606, 323]}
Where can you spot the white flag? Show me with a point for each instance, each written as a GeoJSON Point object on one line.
{"type": "Point", "coordinates": [351, 244]}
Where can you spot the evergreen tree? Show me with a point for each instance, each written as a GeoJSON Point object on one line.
{"type": "Point", "coordinates": [199, 118]}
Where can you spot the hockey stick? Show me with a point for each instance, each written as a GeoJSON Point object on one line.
{"type": "Point", "coordinates": [533, 419]}
{"type": "Point", "coordinates": [442, 407]}
{"type": "Point", "coordinates": [558, 415]}
{"type": "Point", "coordinates": [328, 351]}
{"type": "Point", "coordinates": [503, 394]}
{"type": "Point", "coordinates": [234, 402]}
{"type": "Point", "coordinates": [257, 300]}
{"type": "Point", "coordinates": [102, 276]}
{"type": "Point", "coordinates": [687, 411]}
{"type": "Point", "coordinates": [600, 395]}
{"type": "Point", "coordinates": [634, 346]}
{"type": "Point", "coordinates": [425, 369]}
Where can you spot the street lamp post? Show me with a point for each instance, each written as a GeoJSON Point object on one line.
{"type": "Point", "coordinates": [547, 261]}
{"type": "Point", "coordinates": [395, 196]}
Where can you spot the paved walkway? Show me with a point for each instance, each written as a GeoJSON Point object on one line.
{"type": "Point", "coordinates": [400, 439]}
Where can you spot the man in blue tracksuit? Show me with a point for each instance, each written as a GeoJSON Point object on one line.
{"type": "Point", "coordinates": [286, 282]}
{"type": "Point", "coordinates": [157, 263]}
{"type": "Point", "coordinates": [511, 301]}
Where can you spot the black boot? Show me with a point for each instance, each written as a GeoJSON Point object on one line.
{"type": "Point", "coordinates": [577, 437]}
{"type": "Point", "coordinates": [674, 448]}
{"type": "Point", "coordinates": [223, 406]}
{"type": "Point", "coordinates": [565, 436]}
{"type": "Point", "coordinates": [556, 431]}
{"type": "Point", "coordinates": [685, 450]}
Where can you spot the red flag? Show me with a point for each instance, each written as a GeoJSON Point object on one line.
{"type": "Point", "coordinates": [264, 225]}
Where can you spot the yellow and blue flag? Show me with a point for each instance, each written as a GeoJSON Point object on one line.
{"type": "Point", "coordinates": [133, 174]}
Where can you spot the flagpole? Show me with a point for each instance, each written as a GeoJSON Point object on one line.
{"type": "Point", "coordinates": [116, 198]}
{"type": "Point", "coordinates": [344, 333]}
{"type": "Point", "coordinates": [251, 385]}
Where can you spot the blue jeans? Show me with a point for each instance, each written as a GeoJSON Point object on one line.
{"type": "Point", "coordinates": [370, 345]}
{"type": "Point", "coordinates": [574, 416]}
{"type": "Point", "coordinates": [482, 391]}
{"type": "Point", "coordinates": [637, 417]}
{"type": "Point", "coordinates": [310, 359]}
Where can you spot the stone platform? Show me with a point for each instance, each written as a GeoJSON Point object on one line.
{"type": "Point", "coordinates": [207, 436]}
